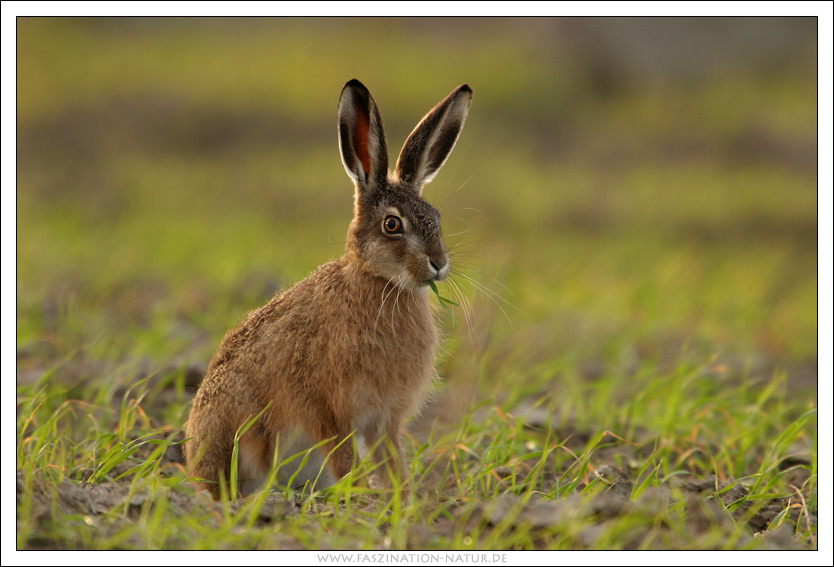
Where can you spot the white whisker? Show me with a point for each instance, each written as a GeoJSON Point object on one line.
{"type": "Point", "coordinates": [466, 306]}
{"type": "Point", "coordinates": [396, 303]}
{"type": "Point", "coordinates": [493, 296]}
{"type": "Point", "coordinates": [409, 304]}
{"type": "Point", "coordinates": [386, 296]}
{"type": "Point", "coordinates": [395, 282]}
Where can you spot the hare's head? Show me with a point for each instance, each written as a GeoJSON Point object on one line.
{"type": "Point", "coordinates": [394, 232]}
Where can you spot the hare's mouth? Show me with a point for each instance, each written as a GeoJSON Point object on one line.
{"type": "Point", "coordinates": [418, 275]}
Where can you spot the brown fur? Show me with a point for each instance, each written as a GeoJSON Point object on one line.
{"type": "Point", "coordinates": [351, 347]}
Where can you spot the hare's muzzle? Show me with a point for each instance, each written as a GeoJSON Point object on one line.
{"type": "Point", "coordinates": [438, 267]}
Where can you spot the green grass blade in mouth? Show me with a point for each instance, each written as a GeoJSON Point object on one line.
{"type": "Point", "coordinates": [443, 301]}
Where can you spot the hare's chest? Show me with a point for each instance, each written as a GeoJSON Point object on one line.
{"type": "Point", "coordinates": [392, 381]}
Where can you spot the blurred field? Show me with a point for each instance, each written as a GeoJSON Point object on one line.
{"type": "Point", "coordinates": [641, 198]}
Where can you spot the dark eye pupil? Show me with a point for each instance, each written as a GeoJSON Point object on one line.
{"type": "Point", "coordinates": [392, 224]}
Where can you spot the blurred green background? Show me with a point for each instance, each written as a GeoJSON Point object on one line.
{"type": "Point", "coordinates": [631, 189]}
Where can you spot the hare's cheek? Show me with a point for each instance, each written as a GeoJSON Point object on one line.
{"type": "Point", "coordinates": [418, 267]}
{"type": "Point", "coordinates": [386, 257]}
{"type": "Point", "coordinates": [413, 260]}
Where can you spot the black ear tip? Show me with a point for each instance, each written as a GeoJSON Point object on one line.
{"type": "Point", "coordinates": [353, 83]}
{"type": "Point", "coordinates": [465, 88]}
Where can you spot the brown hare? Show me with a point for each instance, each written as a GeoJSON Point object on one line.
{"type": "Point", "coordinates": [352, 346]}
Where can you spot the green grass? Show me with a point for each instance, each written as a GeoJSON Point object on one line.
{"type": "Point", "coordinates": [490, 455]}
{"type": "Point", "coordinates": [644, 296]}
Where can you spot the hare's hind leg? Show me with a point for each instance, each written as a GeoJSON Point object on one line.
{"type": "Point", "coordinates": [254, 459]}
{"type": "Point", "coordinates": [209, 458]}
{"type": "Point", "coordinates": [208, 461]}
{"type": "Point", "coordinates": [339, 447]}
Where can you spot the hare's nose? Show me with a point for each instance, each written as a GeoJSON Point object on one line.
{"type": "Point", "coordinates": [440, 267]}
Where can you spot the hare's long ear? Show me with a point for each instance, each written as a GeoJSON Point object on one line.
{"type": "Point", "coordinates": [361, 137]}
{"type": "Point", "coordinates": [427, 147]}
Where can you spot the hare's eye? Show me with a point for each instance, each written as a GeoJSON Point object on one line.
{"type": "Point", "coordinates": [392, 225]}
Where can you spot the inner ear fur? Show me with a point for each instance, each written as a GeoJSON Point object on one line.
{"type": "Point", "coordinates": [362, 137]}
{"type": "Point", "coordinates": [430, 143]}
